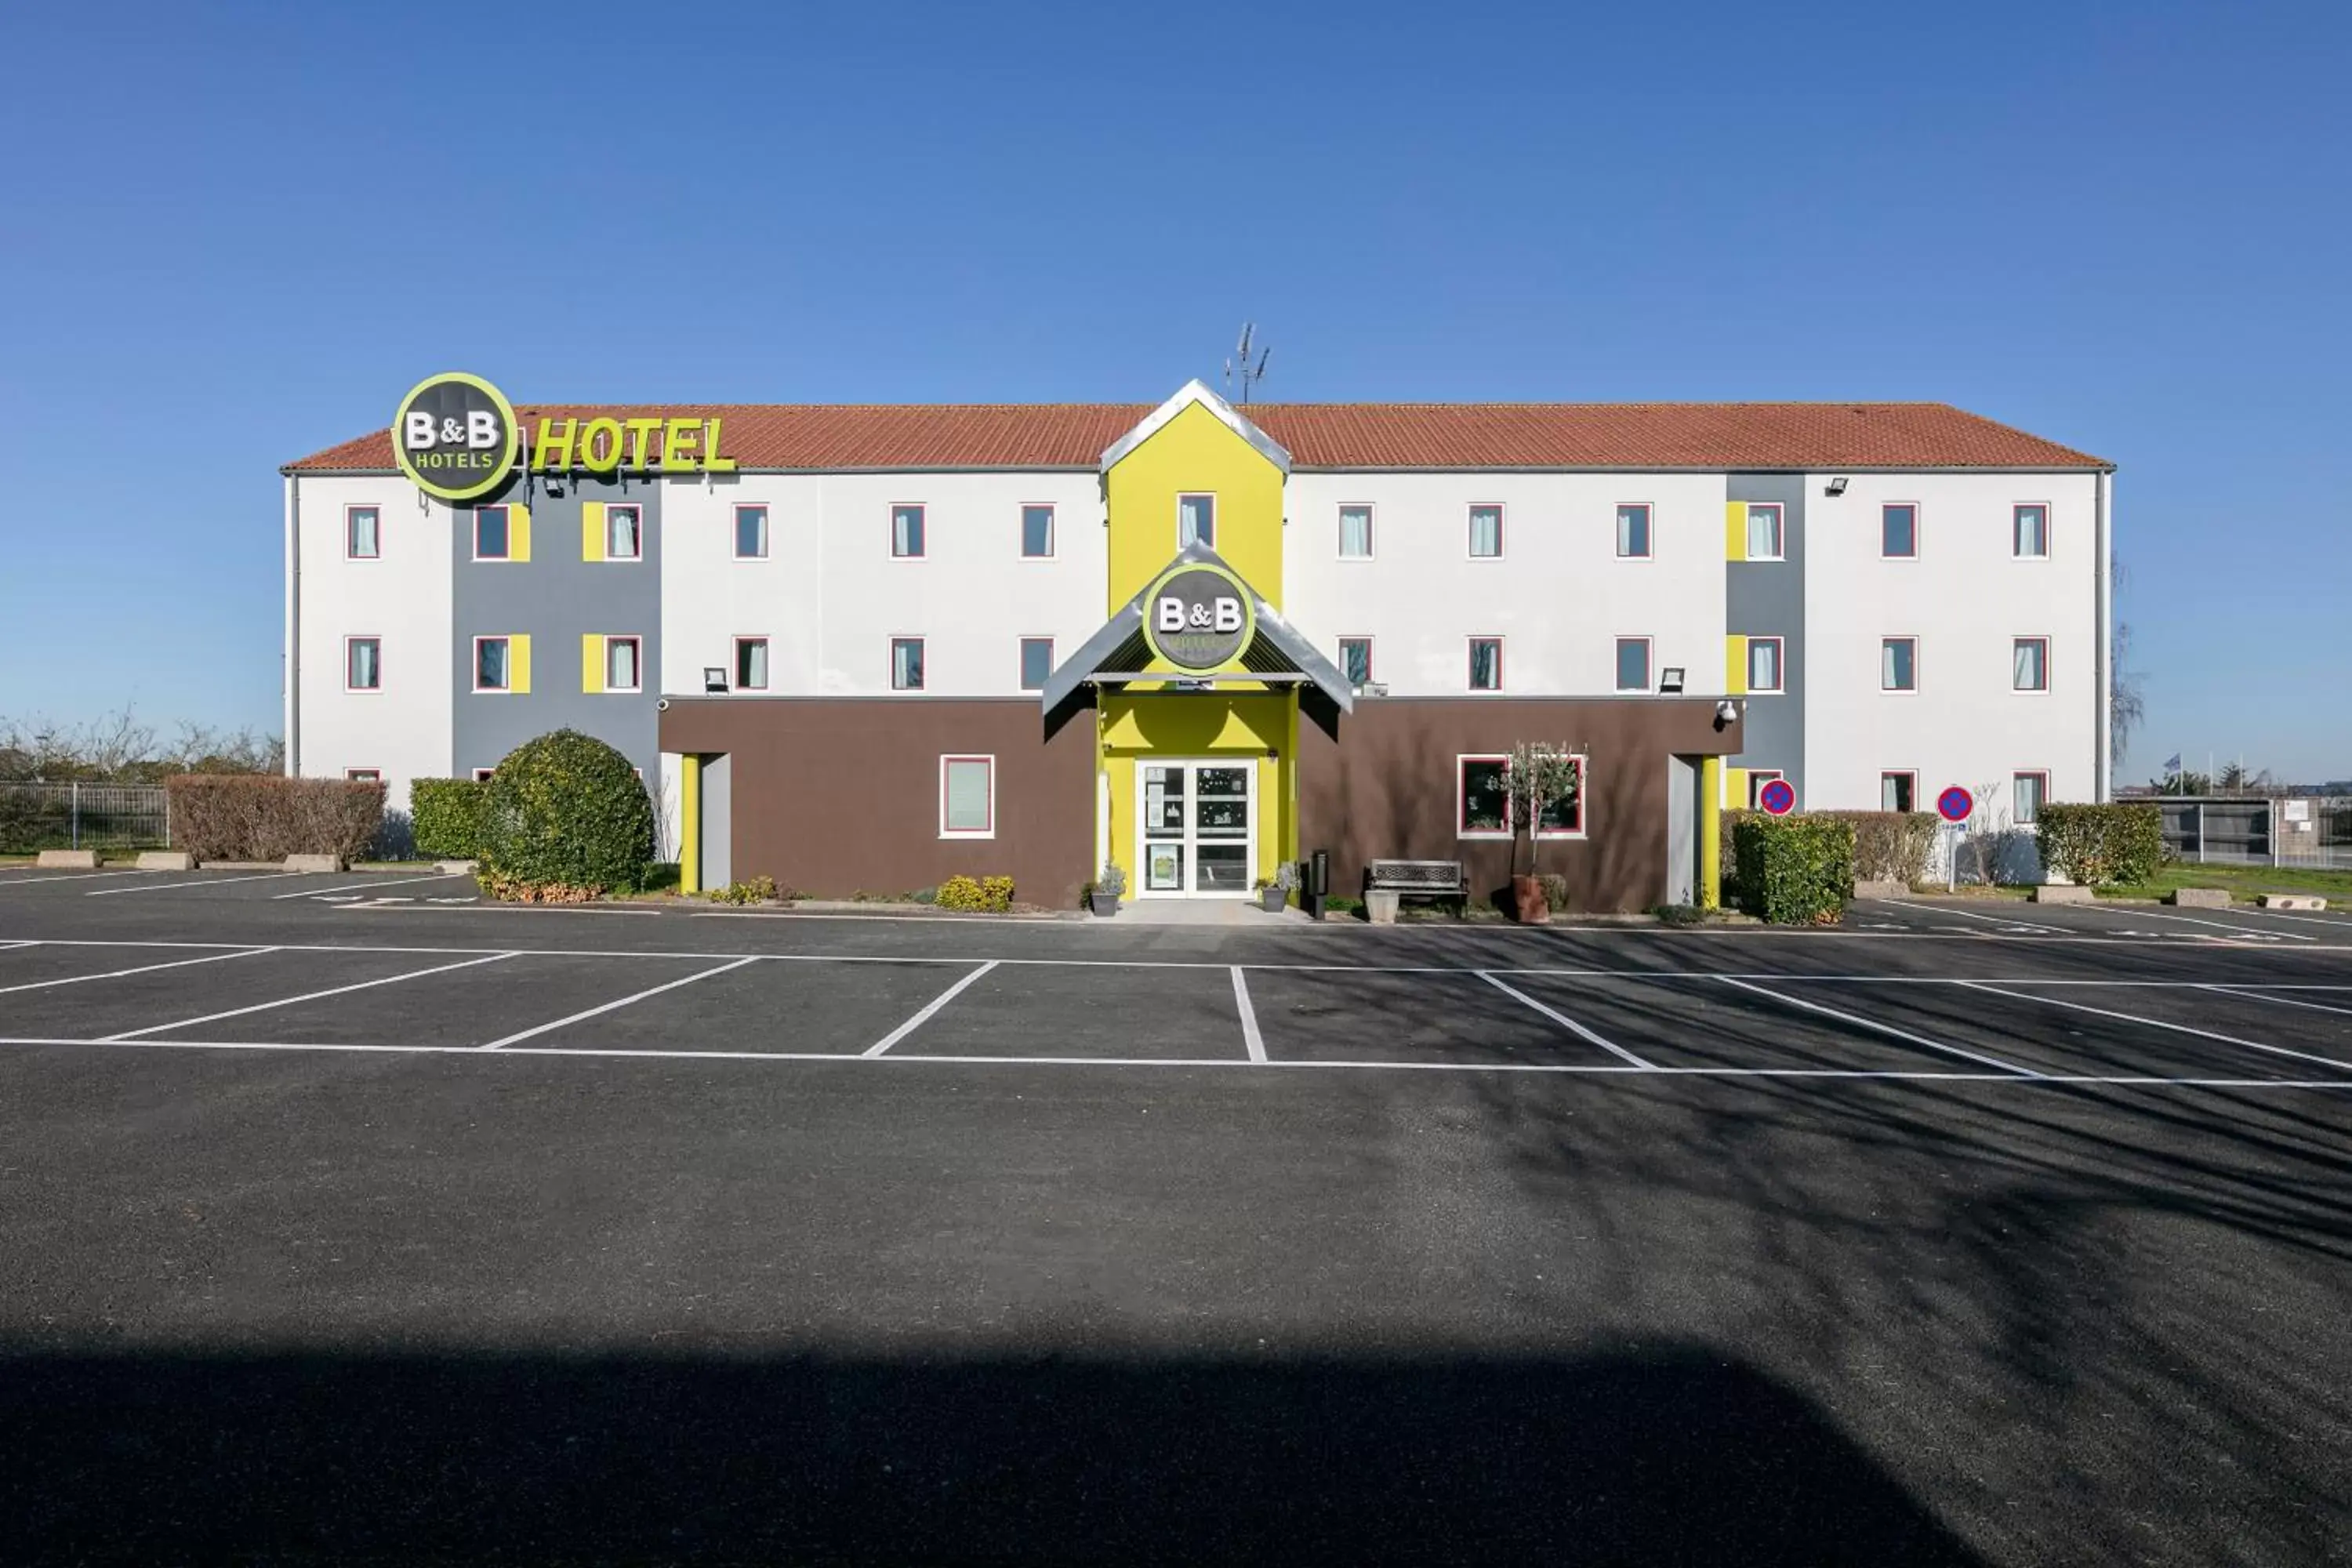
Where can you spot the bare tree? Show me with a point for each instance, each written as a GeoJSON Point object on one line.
{"type": "Point", "coordinates": [2126, 705]}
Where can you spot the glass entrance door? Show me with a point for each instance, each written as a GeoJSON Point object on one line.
{"type": "Point", "coordinates": [1197, 829]}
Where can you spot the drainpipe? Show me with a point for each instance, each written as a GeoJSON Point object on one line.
{"type": "Point", "coordinates": [2103, 772]}
{"type": "Point", "coordinates": [291, 660]}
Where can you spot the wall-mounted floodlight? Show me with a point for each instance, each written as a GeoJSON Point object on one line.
{"type": "Point", "coordinates": [1669, 680]}
{"type": "Point", "coordinates": [1836, 487]}
{"type": "Point", "coordinates": [714, 677]}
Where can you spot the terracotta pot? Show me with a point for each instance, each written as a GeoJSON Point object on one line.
{"type": "Point", "coordinates": [1527, 900]}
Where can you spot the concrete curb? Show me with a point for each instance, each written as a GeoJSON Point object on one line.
{"type": "Point", "coordinates": [1882, 889]}
{"type": "Point", "coordinates": [2059, 893]}
{"type": "Point", "coordinates": [456, 867]}
{"type": "Point", "coordinates": [2312, 901]}
{"type": "Point", "coordinates": [2199, 898]}
{"type": "Point", "coordinates": [166, 860]}
{"type": "Point", "coordinates": [68, 859]}
{"type": "Point", "coordinates": [330, 863]}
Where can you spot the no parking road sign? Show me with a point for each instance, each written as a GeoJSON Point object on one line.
{"type": "Point", "coordinates": [1777, 796]}
{"type": "Point", "coordinates": [1956, 804]}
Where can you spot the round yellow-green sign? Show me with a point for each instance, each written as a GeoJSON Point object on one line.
{"type": "Point", "coordinates": [1198, 616]}
{"type": "Point", "coordinates": [455, 436]}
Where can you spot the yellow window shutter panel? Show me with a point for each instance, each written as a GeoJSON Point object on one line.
{"type": "Point", "coordinates": [1734, 666]}
{"type": "Point", "coordinates": [591, 661]}
{"type": "Point", "coordinates": [592, 531]}
{"type": "Point", "coordinates": [1735, 530]}
{"type": "Point", "coordinates": [518, 533]}
{"type": "Point", "coordinates": [518, 662]}
{"type": "Point", "coordinates": [1735, 789]}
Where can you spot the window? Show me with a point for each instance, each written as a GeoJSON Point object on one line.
{"type": "Point", "coordinates": [1482, 805]}
{"type": "Point", "coordinates": [1564, 817]}
{"type": "Point", "coordinates": [1898, 531]}
{"type": "Point", "coordinates": [1196, 521]}
{"type": "Point", "coordinates": [1036, 532]}
{"type": "Point", "coordinates": [623, 534]}
{"type": "Point", "coordinates": [1355, 534]}
{"type": "Point", "coordinates": [1356, 660]}
{"type": "Point", "coordinates": [2030, 790]}
{"type": "Point", "coordinates": [1036, 663]}
{"type": "Point", "coordinates": [1765, 541]}
{"type": "Point", "coordinates": [1764, 671]}
{"type": "Point", "coordinates": [1633, 664]}
{"type": "Point", "coordinates": [1757, 779]}
{"type": "Point", "coordinates": [490, 533]}
{"type": "Point", "coordinates": [966, 797]}
{"type": "Point", "coordinates": [493, 663]}
{"type": "Point", "coordinates": [907, 533]}
{"type": "Point", "coordinates": [1486, 664]}
{"type": "Point", "coordinates": [1898, 664]}
{"type": "Point", "coordinates": [623, 666]}
{"type": "Point", "coordinates": [2030, 531]}
{"type": "Point", "coordinates": [1634, 532]}
{"type": "Point", "coordinates": [362, 664]}
{"type": "Point", "coordinates": [751, 664]}
{"type": "Point", "coordinates": [1485, 532]}
{"type": "Point", "coordinates": [1899, 792]}
{"type": "Point", "coordinates": [750, 533]}
{"type": "Point", "coordinates": [482, 775]}
{"type": "Point", "coordinates": [362, 532]}
{"type": "Point", "coordinates": [364, 776]}
{"type": "Point", "coordinates": [2030, 664]}
{"type": "Point", "coordinates": [905, 664]}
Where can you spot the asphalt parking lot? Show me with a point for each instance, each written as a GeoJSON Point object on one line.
{"type": "Point", "coordinates": [351, 1217]}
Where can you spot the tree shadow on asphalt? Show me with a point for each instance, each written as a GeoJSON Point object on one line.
{"type": "Point", "coordinates": [1660, 1454]}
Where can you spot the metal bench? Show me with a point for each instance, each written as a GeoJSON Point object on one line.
{"type": "Point", "coordinates": [1386, 882]}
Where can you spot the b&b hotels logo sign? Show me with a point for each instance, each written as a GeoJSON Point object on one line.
{"type": "Point", "coordinates": [1198, 618]}
{"type": "Point", "coordinates": [456, 436]}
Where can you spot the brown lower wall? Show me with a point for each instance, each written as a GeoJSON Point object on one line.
{"type": "Point", "coordinates": [1385, 787]}
{"type": "Point", "coordinates": [836, 796]}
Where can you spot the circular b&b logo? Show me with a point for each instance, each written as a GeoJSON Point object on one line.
{"type": "Point", "coordinates": [455, 436]}
{"type": "Point", "coordinates": [1197, 617]}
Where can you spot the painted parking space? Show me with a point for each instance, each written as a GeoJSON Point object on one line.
{"type": "Point", "coordinates": [160, 986]}
{"type": "Point", "coordinates": [1026, 1010]}
{"type": "Point", "coordinates": [1731, 1024]}
{"type": "Point", "coordinates": [784, 1006]}
{"type": "Point", "coordinates": [1416, 1017]}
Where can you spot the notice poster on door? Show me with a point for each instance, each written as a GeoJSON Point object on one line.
{"type": "Point", "coordinates": [1163, 868]}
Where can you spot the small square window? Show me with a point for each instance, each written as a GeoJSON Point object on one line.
{"type": "Point", "coordinates": [1036, 532]}
{"type": "Point", "coordinates": [1036, 663]}
{"type": "Point", "coordinates": [2030, 531]}
{"type": "Point", "coordinates": [490, 533]}
{"type": "Point", "coordinates": [2030, 791]}
{"type": "Point", "coordinates": [493, 664]}
{"type": "Point", "coordinates": [1196, 521]}
{"type": "Point", "coordinates": [1355, 534]}
{"type": "Point", "coordinates": [623, 667]}
{"type": "Point", "coordinates": [363, 533]}
{"type": "Point", "coordinates": [1899, 792]}
{"type": "Point", "coordinates": [905, 664]}
{"type": "Point", "coordinates": [1898, 664]}
{"type": "Point", "coordinates": [363, 663]}
{"type": "Point", "coordinates": [1486, 664]}
{"type": "Point", "coordinates": [1898, 531]}
{"type": "Point", "coordinates": [1482, 802]}
{"type": "Point", "coordinates": [1356, 660]}
{"type": "Point", "coordinates": [1633, 664]}
{"type": "Point", "coordinates": [1485, 532]}
{"type": "Point", "coordinates": [1765, 541]}
{"type": "Point", "coordinates": [1764, 672]}
{"type": "Point", "coordinates": [2030, 664]}
{"type": "Point", "coordinates": [482, 775]}
{"type": "Point", "coordinates": [750, 533]}
{"type": "Point", "coordinates": [751, 664]}
{"type": "Point", "coordinates": [966, 797]}
{"type": "Point", "coordinates": [1634, 532]}
{"type": "Point", "coordinates": [907, 533]}
{"type": "Point", "coordinates": [623, 534]}
{"type": "Point", "coordinates": [1757, 779]}
{"type": "Point", "coordinates": [364, 776]}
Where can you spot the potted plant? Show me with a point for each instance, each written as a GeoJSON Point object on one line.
{"type": "Point", "coordinates": [1273, 892]}
{"type": "Point", "coordinates": [1103, 897]}
{"type": "Point", "coordinates": [1536, 778]}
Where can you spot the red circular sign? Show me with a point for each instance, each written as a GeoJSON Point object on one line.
{"type": "Point", "coordinates": [1777, 796]}
{"type": "Point", "coordinates": [1956, 804]}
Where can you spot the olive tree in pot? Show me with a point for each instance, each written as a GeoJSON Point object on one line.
{"type": "Point", "coordinates": [1103, 896]}
{"type": "Point", "coordinates": [1538, 780]}
{"type": "Point", "coordinates": [1273, 892]}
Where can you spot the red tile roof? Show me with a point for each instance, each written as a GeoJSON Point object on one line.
{"type": "Point", "coordinates": [1808, 435]}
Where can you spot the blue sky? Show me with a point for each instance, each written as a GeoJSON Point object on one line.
{"type": "Point", "coordinates": [231, 235]}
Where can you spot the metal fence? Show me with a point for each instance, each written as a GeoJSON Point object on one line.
{"type": "Point", "coordinates": [2309, 830]}
{"type": "Point", "coordinates": [83, 816]}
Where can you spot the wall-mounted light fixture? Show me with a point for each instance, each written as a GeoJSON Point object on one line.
{"type": "Point", "coordinates": [1669, 680]}
{"type": "Point", "coordinates": [1836, 487]}
{"type": "Point", "coordinates": [714, 677]}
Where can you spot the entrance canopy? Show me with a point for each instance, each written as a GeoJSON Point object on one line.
{"type": "Point", "coordinates": [1272, 652]}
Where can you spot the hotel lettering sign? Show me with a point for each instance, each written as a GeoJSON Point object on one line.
{"type": "Point", "coordinates": [1198, 618]}
{"type": "Point", "coordinates": [457, 437]}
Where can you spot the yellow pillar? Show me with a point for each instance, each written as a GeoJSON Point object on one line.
{"type": "Point", "coordinates": [1710, 833]}
{"type": "Point", "coordinates": [689, 825]}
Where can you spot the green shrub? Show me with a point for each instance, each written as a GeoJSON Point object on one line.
{"type": "Point", "coordinates": [258, 817]}
{"type": "Point", "coordinates": [30, 821]}
{"type": "Point", "coordinates": [758, 890]}
{"type": "Point", "coordinates": [1890, 845]}
{"type": "Point", "coordinates": [565, 811]}
{"type": "Point", "coordinates": [979, 895]}
{"type": "Point", "coordinates": [2096, 844]}
{"type": "Point", "coordinates": [446, 816]}
{"type": "Point", "coordinates": [1795, 870]}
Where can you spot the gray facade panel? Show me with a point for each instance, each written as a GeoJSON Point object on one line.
{"type": "Point", "coordinates": [555, 598]}
{"type": "Point", "coordinates": [1766, 598]}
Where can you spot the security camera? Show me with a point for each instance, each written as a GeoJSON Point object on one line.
{"type": "Point", "coordinates": [1726, 713]}
{"type": "Point", "coordinates": [662, 706]}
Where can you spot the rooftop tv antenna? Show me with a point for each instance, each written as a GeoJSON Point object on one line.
{"type": "Point", "coordinates": [1239, 365]}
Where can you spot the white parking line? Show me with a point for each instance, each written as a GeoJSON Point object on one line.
{"type": "Point", "coordinates": [1859, 1020]}
{"type": "Point", "coordinates": [2282, 1001]}
{"type": "Point", "coordinates": [2215, 925]}
{"type": "Point", "coordinates": [74, 877]}
{"type": "Point", "coordinates": [1565, 1022]}
{"type": "Point", "coordinates": [2157, 1024]}
{"type": "Point", "coordinates": [143, 969]}
{"type": "Point", "coordinates": [310, 996]}
{"type": "Point", "coordinates": [200, 882]}
{"type": "Point", "coordinates": [372, 883]}
{"type": "Point", "coordinates": [1971, 915]}
{"type": "Point", "coordinates": [2329, 921]}
{"type": "Point", "coordinates": [936, 1003]}
{"type": "Point", "coordinates": [1253, 1042]}
{"type": "Point", "coordinates": [611, 1006]}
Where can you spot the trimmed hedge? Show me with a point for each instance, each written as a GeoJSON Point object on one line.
{"type": "Point", "coordinates": [984, 895]}
{"type": "Point", "coordinates": [565, 815]}
{"type": "Point", "coordinates": [1795, 870]}
{"type": "Point", "coordinates": [260, 816]}
{"type": "Point", "coordinates": [2096, 844]}
{"type": "Point", "coordinates": [446, 816]}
